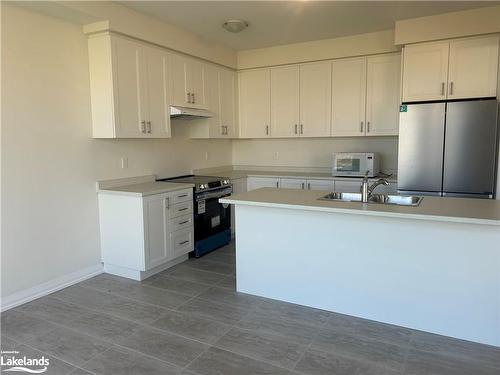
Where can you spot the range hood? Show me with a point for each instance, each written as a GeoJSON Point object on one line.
{"type": "Point", "coordinates": [186, 113]}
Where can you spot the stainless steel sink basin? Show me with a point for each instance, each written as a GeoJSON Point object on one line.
{"type": "Point", "coordinates": [399, 200]}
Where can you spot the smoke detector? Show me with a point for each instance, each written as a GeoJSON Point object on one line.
{"type": "Point", "coordinates": [235, 26]}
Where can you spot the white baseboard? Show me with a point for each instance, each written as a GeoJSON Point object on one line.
{"type": "Point", "coordinates": [48, 287]}
{"type": "Point", "coordinates": [141, 275]}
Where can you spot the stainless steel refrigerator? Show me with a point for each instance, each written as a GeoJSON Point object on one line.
{"type": "Point", "coordinates": [448, 148]}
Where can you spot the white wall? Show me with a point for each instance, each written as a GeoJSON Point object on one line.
{"type": "Point", "coordinates": [50, 162]}
{"type": "Point", "coordinates": [313, 152]}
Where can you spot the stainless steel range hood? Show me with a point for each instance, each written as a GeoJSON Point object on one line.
{"type": "Point", "coordinates": [186, 113]}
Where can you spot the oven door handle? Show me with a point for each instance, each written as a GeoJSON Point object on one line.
{"type": "Point", "coordinates": [215, 194]}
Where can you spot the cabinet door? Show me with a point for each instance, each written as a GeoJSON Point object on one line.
{"type": "Point", "coordinates": [348, 97]}
{"type": "Point", "coordinates": [254, 103]}
{"type": "Point", "coordinates": [347, 186]}
{"type": "Point", "coordinates": [260, 182]}
{"type": "Point", "coordinates": [158, 92]}
{"type": "Point", "coordinates": [326, 185]}
{"type": "Point", "coordinates": [315, 99]}
{"type": "Point", "coordinates": [473, 68]}
{"type": "Point", "coordinates": [425, 71]}
{"type": "Point", "coordinates": [195, 83]}
{"type": "Point", "coordinates": [382, 94]}
{"type": "Point", "coordinates": [285, 101]}
{"type": "Point", "coordinates": [292, 183]}
{"type": "Point", "coordinates": [129, 87]}
{"type": "Point", "coordinates": [227, 99]}
{"type": "Point", "coordinates": [212, 96]}
{"type": "Point", "coordinates": [179, 81]}
{"type": "Point", "coordinates": [156, 230]}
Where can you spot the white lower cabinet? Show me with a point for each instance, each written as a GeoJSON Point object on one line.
{"type": "Point", "coordinates": [292, 183]}
{"type": "Point", "coordinates": [260, 182]}
{"type": "Point", "coordinates": [239, 186]}
{"type": "Point", "coordinates": [320, 185]}
{"type": "Point", "coordinates": [306, 184]}
{"type": "Point", "coordinates": [141, 236]}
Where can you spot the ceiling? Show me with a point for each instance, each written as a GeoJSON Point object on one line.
{"type": "Point", "coordinates": [282, 22]}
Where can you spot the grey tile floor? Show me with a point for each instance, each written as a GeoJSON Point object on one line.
{"type": "Point", "coordinates": [189, 320]}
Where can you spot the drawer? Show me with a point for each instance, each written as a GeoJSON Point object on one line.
{"type": "Point", "coordinates": [181, 196]}
{"type": "Point", "coordinates": [181, 209]}
{"type": "Point", "coordinates": [181, 242]}
{"type": "Point", "coordinates": [181, 222]}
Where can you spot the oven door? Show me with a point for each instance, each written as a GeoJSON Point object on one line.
{"type": "Point", "coordinates": [210, 216]}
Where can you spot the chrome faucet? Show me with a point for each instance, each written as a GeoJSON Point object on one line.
{"type": "Point", "coordinates": [367, 190]}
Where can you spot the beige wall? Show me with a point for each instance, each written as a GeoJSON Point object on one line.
{"type": "Point", "coordinates": [313, 153]}
{"type": "Point", "coordinates": [448, 25]}
{"type": "Point", "coordinates": [356, 45]}
{"type": "Point", "coordinates": [50, 163]}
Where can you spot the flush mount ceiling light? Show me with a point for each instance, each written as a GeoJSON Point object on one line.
{"type": "Point", "coordinates": [235, 26]}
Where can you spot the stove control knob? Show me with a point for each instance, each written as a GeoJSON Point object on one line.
{"type": "Point", "coordinates": [225, 182]}
{"type": "Point", "coordinates": [202, 186]}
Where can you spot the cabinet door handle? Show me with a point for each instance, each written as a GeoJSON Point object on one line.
{"type": "Point", "coordinates": [296, 126]}
{"type": "Point", "coordinates": [183, 242]}
{"type": "Point", "coordinates": [192, 95]}
{"type": "Point", "coordinates": [308, 186]}
{"type": "Point", "coordinates": [182, 196]}
{"type": "Point", "coordinates": [167, 200]}
{"type": "Point", "coordinates": [143, 126]}
{"type": "Point", "coordinates": [442, 88]}
{"type": "Point", "coordinates": [184, 222]}
{"type": "Point", "coordinates": [267, 129]}
{"type": "Point", "coordinates": [361, 127]}
{"type": "Point", "coordinates": [182, 209]}
{"type": "Point", "coordinates": [451, 88]}
{"type": "Point", "coordinates": [303, 186]}
{"type": "Point", "coordinates": [301, 129]}
{"type": "Point", "coordinates": [188, 97]}
{"type": "Point", "coordinates": [149, 127]}
{"type": "Point", "coordinates": [277, 184]}
{"type": "Point", "coordinates": [368, 127]}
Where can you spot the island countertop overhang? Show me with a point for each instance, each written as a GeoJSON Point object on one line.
{"type": "Point", "coordinates": [449, 209]}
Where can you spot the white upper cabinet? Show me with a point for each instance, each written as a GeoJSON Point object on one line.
{"type": "Point", "coordinates": [348, 97]}
{"type": "Point", "coordinates": [187, 82]}
{"type": "Point", "coordinates": [425, 71]}
{"type": "Point", "coordinates": [473, 68]}
{"type": "Point", "coordinates": [227, 89]}
{"type": "Point", "coordinates": [212, 97]}
{"type": "Point", "coordinates": [285, 101]}
{"type": "Point", "coordinates": [254, 103]}
{"type": "Point", "coordinates": [129, 86]}
{"type": "Point", "coordinates": [158, 91]}
{"type": "Point", "coordinates": [382, 94]}
{"type": "Point", "coordinates": [456, 69]}
{"type": "Point", "coordinates": [315, 99]}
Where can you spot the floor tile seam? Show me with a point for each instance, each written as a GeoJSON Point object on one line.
{"type": "Point", "coordinates": [209, 273]}
{"type": "Point", "coordinates": [198, 356]}
{"type": "Point", "coordinates": [142, 325]}
{"type": "Point", "coordinates": [131, 298]}
{"type": "Point", "coordinates": [253, 305]}
{"type": "Point", "coordinates": [197, 268]}
{"type": "Point", "coordinates": [308, 347]}
{"type": "Point", "coordinates": [272, 335]}
{"type": "Point", "coordinates": [250, 357]}
{"type": "Point", "coordinates": [287, 320]}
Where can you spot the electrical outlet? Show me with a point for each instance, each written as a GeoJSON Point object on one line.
{"type": "Point", "coordinates": [207, 156]}
{"type": "Point", "coordinates": [276, 155]}
{"type": "Point", "coordinates": [124, 161]}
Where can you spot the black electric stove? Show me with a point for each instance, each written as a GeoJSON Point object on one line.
{"type": "Point", "coordinates": [201, 183]}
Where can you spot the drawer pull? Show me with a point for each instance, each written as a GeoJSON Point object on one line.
{"type": "Point", "coordinates": [182, 196]}
{"type": "Point", "coordinates": [184, 222]}
{"type": "Point", "coordinates": [182, 209]}
{"type": "Point", "coordinates": [183, 242]}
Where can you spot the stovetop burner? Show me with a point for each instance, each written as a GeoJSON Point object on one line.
{"type": "Point", "coordinates": [201, 183]}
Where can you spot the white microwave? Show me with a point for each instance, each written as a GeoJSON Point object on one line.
{"type": "Point", "coordinates": [355, 164]}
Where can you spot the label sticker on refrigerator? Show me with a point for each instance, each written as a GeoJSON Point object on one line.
{"type": "Point", "coordinates": [403, 108]}
{"type": "Point", "coordinates": [201, 207]}
{"type": "Point", "coordinates": [215, 221]}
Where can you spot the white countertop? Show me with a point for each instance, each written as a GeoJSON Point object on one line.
{"type": "Point", "coordinates": [146, 188]}
{"type": "Point", "coordinates": [461, 210]}
{"type": "Point", "coordinates": [236, 174]}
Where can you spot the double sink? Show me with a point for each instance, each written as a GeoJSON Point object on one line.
{"type": "Point", "coordinates": [399, 200]}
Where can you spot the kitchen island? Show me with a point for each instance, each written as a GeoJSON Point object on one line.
{"type": "Point", "coordinates": [434, 267]}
